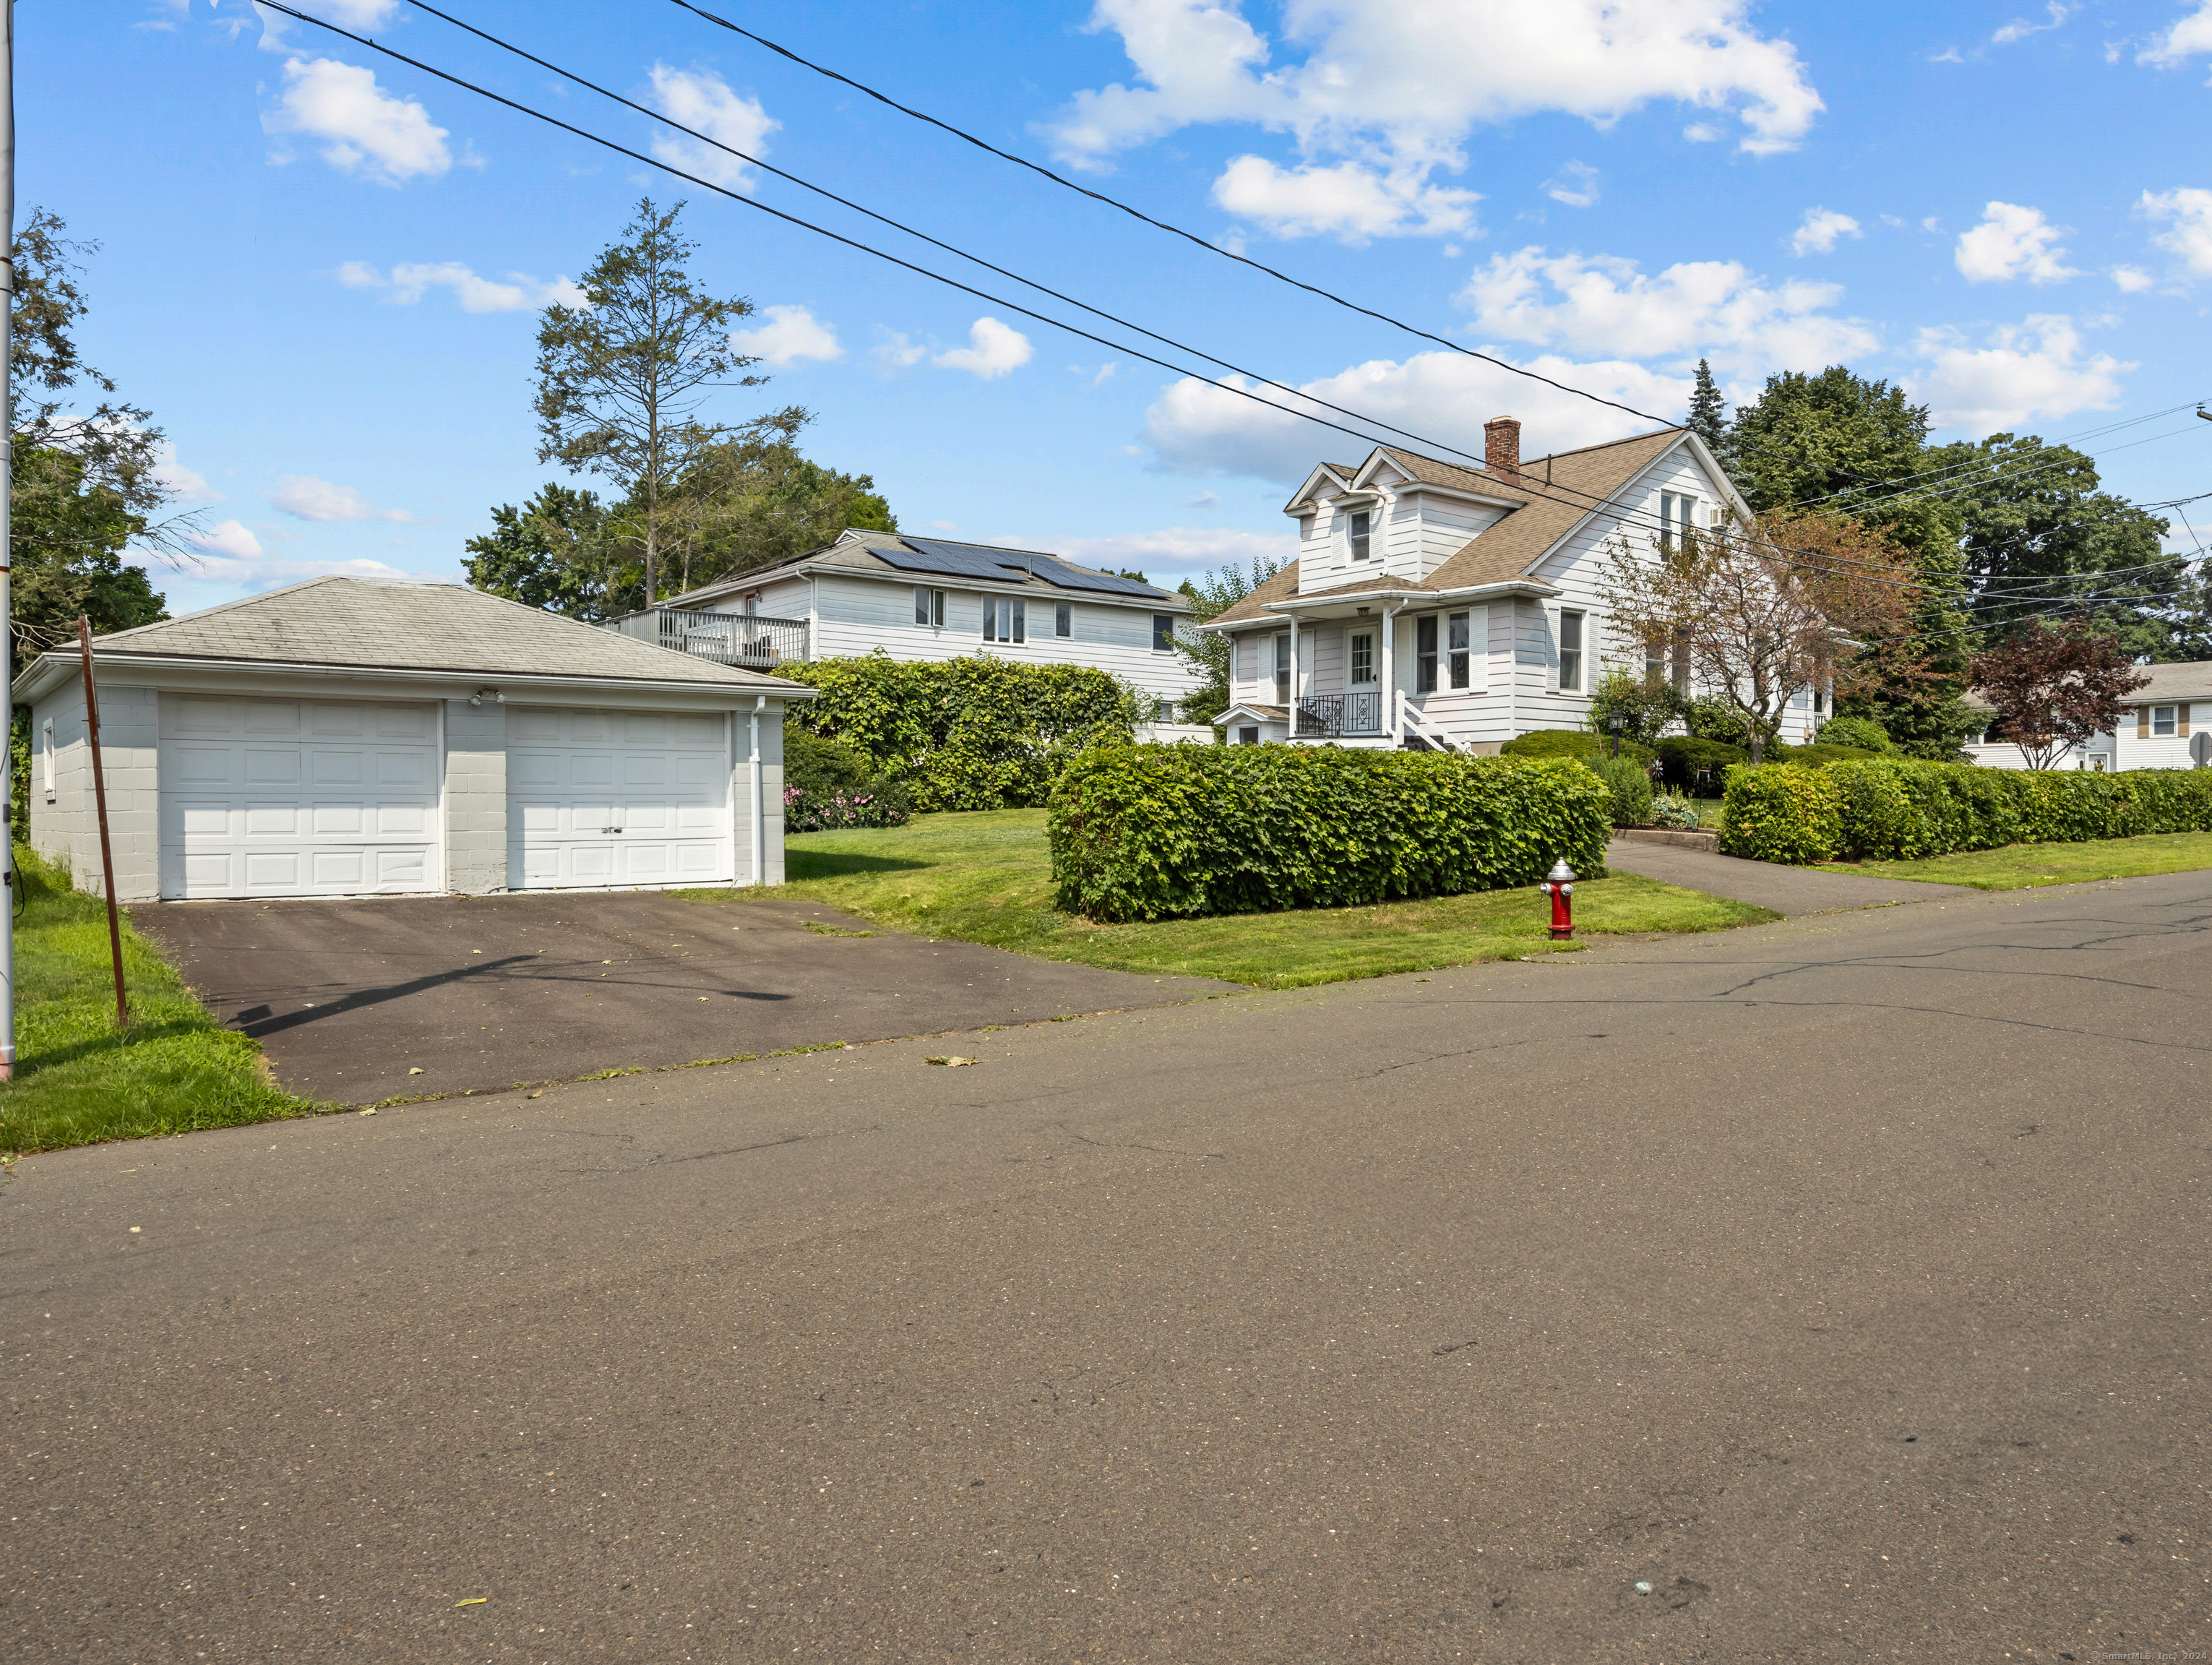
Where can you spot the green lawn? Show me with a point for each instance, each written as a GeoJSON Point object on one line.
{"type": "Point", "coordinates": [987, 877]}
{"type": "Point", "coordinates": [78, 1080]}
{"type": "Point", "coordinates": [2020, 866]}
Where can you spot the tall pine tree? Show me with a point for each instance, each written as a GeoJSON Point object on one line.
{"type": "Point", "coordinates": [1708, 419]}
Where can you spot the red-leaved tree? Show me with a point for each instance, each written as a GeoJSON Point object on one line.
{"type": "Point", "coordinates": [2053, 688]}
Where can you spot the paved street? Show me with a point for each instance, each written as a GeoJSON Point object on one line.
{"type": "Point", "coordinates": [1830, 1290]}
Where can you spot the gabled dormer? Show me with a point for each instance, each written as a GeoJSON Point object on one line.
{"type": "Point", "coordinates": [1395, 516]}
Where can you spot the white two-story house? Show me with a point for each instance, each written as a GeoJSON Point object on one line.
{"type": "Point", "coordinates": [929, 598]}
{"type": "Point", "coordinates": [1436, 605]}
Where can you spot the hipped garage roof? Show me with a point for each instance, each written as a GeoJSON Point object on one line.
{"type": "Point", "coordinates": [381, 625]}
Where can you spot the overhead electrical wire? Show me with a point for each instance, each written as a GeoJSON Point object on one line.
{"type": "Point", "coordinates": [1818, 561]}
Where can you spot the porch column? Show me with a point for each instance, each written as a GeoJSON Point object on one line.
{"type": "Point", "coordinates": [1291, 733]}
{"type": "Point", "coordinates": [1389, 674]}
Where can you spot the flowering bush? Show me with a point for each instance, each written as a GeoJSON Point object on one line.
{"type": "Point", "coordinates": [882, 804]}
{"type": "Point", "coordinates": [1675, 811]}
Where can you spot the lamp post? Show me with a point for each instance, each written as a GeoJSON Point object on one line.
{"type": "Point", "coordinates": [1613, 723]}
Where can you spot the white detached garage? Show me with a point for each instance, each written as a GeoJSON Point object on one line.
{"type": "Point", "coordinates": [354, 737]}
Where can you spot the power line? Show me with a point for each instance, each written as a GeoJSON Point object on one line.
{"type": "Point", "coordinates": [1641, 518]}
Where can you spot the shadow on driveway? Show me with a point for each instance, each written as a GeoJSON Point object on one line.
{"type": "Point", "coordinates": [359, 1001]}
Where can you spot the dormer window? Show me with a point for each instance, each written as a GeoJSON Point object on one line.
{"type": "Point", "coordinates": [1360, 523]}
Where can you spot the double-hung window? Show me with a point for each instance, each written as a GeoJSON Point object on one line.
{"type": "Point", "coordinates": [1063, 618]}
{"type": "Point", "coordinates": [1458, 645]}
{"type": "Point", "coordinates": [1677, 513]}
{"type": "Point", "coordinates": [1425, 654]}
{"type": "Point", "coordinates": [1570, 651]}
{"type": "Point", "coordinates": [1361, 524]}
{"type": "Point", "coordinates": [928, 607]}
{"type": "Point", "coordinates": [1005, 619]}
{"type": "Point", "coordinates": [1282, 670]}
{"type": "Point", "coordinates": [2162, 722]}
{"type": "Point", "coordinates": [1162, 633]}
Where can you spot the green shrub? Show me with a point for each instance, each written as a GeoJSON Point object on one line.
{"type": "Point", "coordinates": [1778, 813]}
{"type": "Point", "coordinates": [1684, 759]}
{"type": "Point", "coordinates": [1630, 783]}
{"type": "Point", "coordinates": [1817, 755]}
{"type": "Point", "coordinates": [1571, 742]}
{"type": "Point", "coordinates": [1863, 732]}
{"type": "Point", "coordinates": [1168, 832]}
{"type": "Point", "coordinates": [974, 733]}
{"type": "Point", "coordinates": [1672, 810]}
{"type": "Point", "coordinates": [828, 787]}
{"type": "Point", "coordinates": [1896, 809]}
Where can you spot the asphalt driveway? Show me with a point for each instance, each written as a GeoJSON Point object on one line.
{"type": "Point", "coordinates": [361, 1001]}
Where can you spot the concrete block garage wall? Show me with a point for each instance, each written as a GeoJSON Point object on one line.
{"type": "Point", "coordinates": [67, 830]}
{"type": "Point", "coordinates": [475, 797]}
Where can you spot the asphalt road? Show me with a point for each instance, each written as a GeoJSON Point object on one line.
{"type": "Point", "coordinates": [1830, 1290]}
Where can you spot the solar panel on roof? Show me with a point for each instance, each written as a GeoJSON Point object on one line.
{"type": "Point", "coordinates": [980, 561]}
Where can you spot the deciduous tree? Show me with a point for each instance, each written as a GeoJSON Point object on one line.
{"type": "Point", "coordinates": [1210, 595]}
{"type": "Point", "coordinates": [2053, 688]}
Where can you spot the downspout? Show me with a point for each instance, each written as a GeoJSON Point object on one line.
{"type": "Point", "coordinates": [760, 808]}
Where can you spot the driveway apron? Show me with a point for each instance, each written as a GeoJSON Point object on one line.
{"type": "Point", "coordinates": [361, 1001]}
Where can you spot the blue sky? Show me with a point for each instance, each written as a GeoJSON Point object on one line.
{"type": "Point", "coordinates": [320, 270]}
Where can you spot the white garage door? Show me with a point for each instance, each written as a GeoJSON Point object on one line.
{"type": "Point", "coordinates": [298, 798]}
{"type": "Point", "coordinates": [599, 797]}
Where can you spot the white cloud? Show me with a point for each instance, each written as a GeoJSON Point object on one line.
{"type": "Point", "coordinates": [407, 285]}
{"type": "Point", "coordinates": [992, 349]}
{"type": "Point", "coordinates": [1169, 550]}
{"type": "Point", "coordinates": [2187, 38]}
{"type": "Point", "coordinates": [2188, 210]}
{"type": "Point", "coordinates": [312, 499]}
{"type": "Point", "coordinates": [1344, 200]}
{"type": "Point", "coordinates": [2013, 241]}
{"type": "Point", "coordinates": [2020, 28]}
{"type": "Point", "coordinates": [229, 538]}
{"type": "Point", "coordinates": [1196, 427]}
{"type": "Point", "coordinates": [2034, 369]}
{"type": "Point", "coordinates": [1719, 309]}
{"type": "Point", "coordinates": [1822, 230]}
{"type": "Point", "coordinates": [186, 485]}
{"type": "Point", "coordinates": [1575, 186]}
{"type": "Point", "coordinates": [370, 133]}
{"type": "Point", "coordinates": [702, 100]}
{"type": "Point", "coordinates": [791, 334]}
{"type": "Point", "coordinates": [1393, 88]}
{"type": "Point", "coordinates": [2132, 279]}
{"type": "Point", "coordinates": [896, 352]}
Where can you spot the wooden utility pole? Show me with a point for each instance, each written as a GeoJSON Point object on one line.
{"type": "Point", "coordinates": [100, 802]}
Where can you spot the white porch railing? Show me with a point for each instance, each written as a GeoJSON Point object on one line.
{"type": "Point", "coordinates": [749, 640]}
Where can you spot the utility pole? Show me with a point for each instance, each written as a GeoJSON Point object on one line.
{"type": "Point", "coordinates": [10, 880]}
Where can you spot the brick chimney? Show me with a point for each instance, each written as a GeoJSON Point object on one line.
{"type": "Point", "coordinates": [1501, 447]}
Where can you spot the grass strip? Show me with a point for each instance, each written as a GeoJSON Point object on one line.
{"type": "Point", "coordinates": [987, 877]}
{"type": "Point", "coordinates": [79, 1079]}
{"type": "Point", "coordinates": [2024, 867]}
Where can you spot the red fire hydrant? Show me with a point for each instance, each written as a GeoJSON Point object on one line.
{"type": "Point", "coordinates": [1560, 885]}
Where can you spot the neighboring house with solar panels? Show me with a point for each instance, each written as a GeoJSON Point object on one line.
{"type": "Point", "coordinates": [1438, 605]}
{"type": "Point", "coordinates": [927, 598]}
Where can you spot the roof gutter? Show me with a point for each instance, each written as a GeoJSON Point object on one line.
{"type": "Point", "coordinates": [55, 667]}
{"type": "Point", "coordinates": [1297, 605]}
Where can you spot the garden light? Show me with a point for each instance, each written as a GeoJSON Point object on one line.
{"type": "Point", "coordinates": [1560, 885]}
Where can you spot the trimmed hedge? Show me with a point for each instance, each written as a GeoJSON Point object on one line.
{"type": "Point", "coordinates": [1154, 832]}
{"type": "Point", "coordinates": [1571, 742]}
{"type": "Point", "coordinates": [1819, 752]}
{"type": "Point", "coordinates": [1629, 783]}
{"type": "Point", "coordinates": [1683, 756]}
{"type": "Point", "coordinates": [973, 734]}
{"type": "Point", "coordinates": [1778, 812]}
{"type": "Point", "coordinates": [1890, 809]}
{"type": "Point", "coordinates": [1898, 810]}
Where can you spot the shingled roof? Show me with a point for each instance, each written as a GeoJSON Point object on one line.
{"type": "Point", "coordinates": [1557, 492]}
{"type": "Point", "coordinates": [377, 624]}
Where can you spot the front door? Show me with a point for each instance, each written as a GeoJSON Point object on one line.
{"type": "Point", "coordinates": [1363, 689]}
